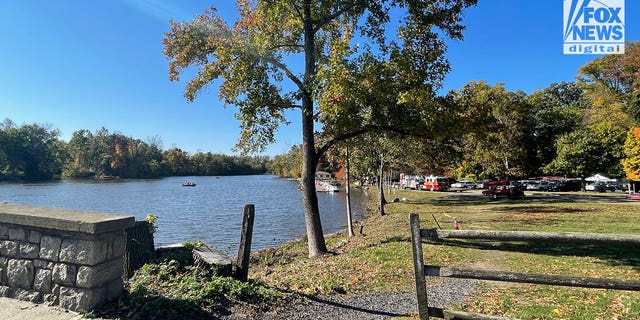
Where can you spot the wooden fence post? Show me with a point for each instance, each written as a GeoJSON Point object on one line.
{"type": "Point", "coordinates": [244, 251]}
{"type": "Point", "coordinates": [418, 267]}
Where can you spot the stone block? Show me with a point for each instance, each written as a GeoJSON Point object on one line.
{"type": "Point", "coordinates": [43, 264]}
{"type": "Point", "coordinates": [50, 248]}
{"type": "Point", "coordinates": [27, 295]}
{"type": "Point", "coordinates": [95, 276]}
{"type": "Point", "coordinates": [29, 250]}
{"type": "Point", "coordinates": [56, 290]}
{"type": "Point", "coordinates": [113, 290]}
{"type": "Point", "coordinates": [43, 281]}
{"type": "Point", "coordinates": [76, 299]}
{"type": "Point", "coordinates": [50, 299]}
{"type": "Point", "coordinates": [83, 252]}
{"type": "Point", "coordinates": [64, 274]}
{"type": "Point", "coordinates": [3, 271]}
{"type": "Point", "coordinates": [117, 247]}
{"type": "Point", "coordinates": [9, 248]}
{"type": "Point", "coordinates": [17, 234]}
{"type": "Point", "coordinates": [20, 273]}
{"type": "Point", "coordinates": [4, 232]}
{"type": "Point", "coordinates": [6, 292]}
{"type": "Point", "coordinates": [34, 236]}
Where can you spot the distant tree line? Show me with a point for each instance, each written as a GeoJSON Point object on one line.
{"type": "Point", "coordinates": [33, 152]}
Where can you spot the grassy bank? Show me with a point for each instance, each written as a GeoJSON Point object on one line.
{"type": "Point", "coordinates": [380, 258]}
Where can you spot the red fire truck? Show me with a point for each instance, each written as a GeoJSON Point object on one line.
{"type": "Point", "coordinates": [435, 183]}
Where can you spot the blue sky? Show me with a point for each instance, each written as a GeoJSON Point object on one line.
{"type": "Point", "coordinates": [77, 64]}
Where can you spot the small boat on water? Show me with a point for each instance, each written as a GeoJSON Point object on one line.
{"type": "Point", "coordinates": [327, 186]}
{"type": "Point", "coordinates": [106, 177]}
{"type": "Point", "coordinates": [189, 184]}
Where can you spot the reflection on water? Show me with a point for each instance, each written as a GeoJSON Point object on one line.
{"type": "Point", "coordinates": [211, 211]}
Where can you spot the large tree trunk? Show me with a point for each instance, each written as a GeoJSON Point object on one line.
{"type": "Point", "coordinates": [348, 195]}
{"type": "Point", "coordinates": [309, 197]}
{"type": "Point", "coordinates": [315, 236]}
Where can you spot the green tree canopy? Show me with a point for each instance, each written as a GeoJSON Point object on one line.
{"type": "Point", "coordinates": [30, 152]}
{"type": "Point", "coordinates": [495, 125]}
{"type": "Point", "coordinates": [255, 59]}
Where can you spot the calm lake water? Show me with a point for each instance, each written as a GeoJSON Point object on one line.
{"type": "Point", "coordinates": [211, 211]}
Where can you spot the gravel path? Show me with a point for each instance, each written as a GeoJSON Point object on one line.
{"type": "Point", "coordinates": [376, 306]}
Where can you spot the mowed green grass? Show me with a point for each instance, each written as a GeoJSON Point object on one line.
{"type": "Point", "coordinates": [380, 258]}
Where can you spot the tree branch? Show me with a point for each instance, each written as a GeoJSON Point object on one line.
{"type": "Point", "coordinates": [293, 4]}
{"type": "Point", "coordinates": [288, 72]}
{"type": "Point", "coordinates": [348, 6]}
{"type": "Point", "coordinates": [286, 46]}
{"type": "Point", "coordinates": [367, 128]}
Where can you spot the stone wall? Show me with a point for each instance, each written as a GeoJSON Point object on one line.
{"type": "Point", "coordinates": [69, 258]}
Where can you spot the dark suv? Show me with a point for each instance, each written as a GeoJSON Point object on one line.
{"type": "Point", "coordinates": [566, 185]}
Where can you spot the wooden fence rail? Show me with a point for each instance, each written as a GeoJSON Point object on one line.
{"type": "Point", "coordinates": [421, 270]}
{"type": "Point", "coordinates": [499, 235]}
{"type": "Point", "coordinates": [596, 283]}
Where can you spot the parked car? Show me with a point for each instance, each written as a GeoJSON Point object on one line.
{"type": "Point", "coordinates": [539, 186]}
{"type": "Point", "coordinates": [612, 185]}
{"type": "Point", "coordinates": [596, 186]}
{"type": "Point", "coordinates": [565, 185]}
{"type": "Point", "coordinates": [464, 185]}
{"type": "Point", "coordinates": [480, 184]}
{"type": "Point", "coordinates": [504, 188]}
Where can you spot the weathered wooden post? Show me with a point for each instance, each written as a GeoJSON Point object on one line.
{"type": "Point", "coordinates": [418, 267]}
{"type": "Point", "coordinates": [244, 251]}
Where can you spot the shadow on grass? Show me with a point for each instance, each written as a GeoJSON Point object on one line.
{"type": "Point", "coordinates": [362, 312]}
{"type": "Point", "coordinates": [533, 209]}
{"type": "Point", "coordinates": [455, 199]}
{"type": "Point", "coordinates": [613, 255]}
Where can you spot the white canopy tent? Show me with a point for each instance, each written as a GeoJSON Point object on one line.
{"type": "Point", "coordinates": [598, 177]}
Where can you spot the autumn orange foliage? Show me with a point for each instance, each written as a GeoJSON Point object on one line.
{"type": "Point", "coordinates": [631, 163]}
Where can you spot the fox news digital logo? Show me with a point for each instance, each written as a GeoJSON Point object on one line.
{"type": "Point", "coordinates": [593, 26]}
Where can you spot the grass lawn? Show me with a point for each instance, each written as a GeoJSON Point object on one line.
{"type": "Point", "coordinates": [380, 259]}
